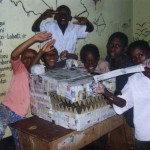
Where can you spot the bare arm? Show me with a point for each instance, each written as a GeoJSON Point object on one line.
{"type": "Point", "coordinates": [85, 21]}
{"type": "Point", "coordinates": [111, 97]}
{"type": "Point", "coordinates": [89, 26]}
{"type": "Point", "coordinates": [40, 37]}
{"type": "Point", "coordinates": [47, 14]}
{"type": "Point", "coordinates": [65, 54]}
{"type": "Point", "coordinates": [73, 56]}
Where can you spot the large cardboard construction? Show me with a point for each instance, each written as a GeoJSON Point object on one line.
{"type": "Point", "coordinates": [66, 97]}
{"type": "Point", "coordinates": [73, 84]}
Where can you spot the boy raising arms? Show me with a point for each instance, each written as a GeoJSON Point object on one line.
{"type": "Point", "coordinates": [16, 103]}
{"type": "Point", "coordinates": [65, 33]}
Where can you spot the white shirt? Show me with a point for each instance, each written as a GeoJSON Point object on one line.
{"type": "Point", "coordinates": [137, 93]}
{"type": "Point", "coordinates": [68, 40]}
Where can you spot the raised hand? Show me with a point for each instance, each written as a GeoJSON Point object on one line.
{"type": "Point", "coordinates": [81, 20]}
{"type": "Point", "coordinates": [63, 54]}
{"type": "Point", "coordinates": [42, 36]}
{"type": "Point", "coordinates": [147, 63]}
{"type": "Point", "coordinates": [48, 46]}
{"type": "Point", "coordinates": [47, 14]}
{"type": "Point", "coordinates": [100, 89]}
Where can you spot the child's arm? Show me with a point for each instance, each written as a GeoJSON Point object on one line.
{"type": "Point", "coordinates": [111, 97]}
{"type": "Point", "coordinates": [85, 21]}
{"type": "Point", "coordinates": [46, 48]}
{"type": "Point", "coordinates": [40, 37]}
{"type": "Point", "coordinates": [65, 54]}
{"type": "Point", "coordinates": [47, 14]}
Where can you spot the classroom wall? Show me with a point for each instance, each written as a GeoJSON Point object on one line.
{"type": "Point", "coordinates": [17, 17]}
{"type": "Point", "coordinates": [141, 20]}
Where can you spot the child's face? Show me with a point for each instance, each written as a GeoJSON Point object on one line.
{"type": "Point", "coordinates": [27, 57]}
{"type": "Point", "coordinates": [90, 62]}
{"type": "Point", "coordinates": [139, 55]}
{"type": "Point", "coordinates": [63, 16]}
{"type": "Point", "coordinates": [115, 48]}
{"type": "Point", "coordinates": [50, 58]}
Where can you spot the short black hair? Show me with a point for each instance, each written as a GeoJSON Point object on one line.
{"type": "Point", "coordinates": [89, 48]}
{"type": "Point", "coordinates": [141, 44]}
{"type": "Point", "coordinates": [120, 35]}
{"type": "Point", "coordinates": [29, 50]}
{"type": "Point", "coordinates": [64, 7]}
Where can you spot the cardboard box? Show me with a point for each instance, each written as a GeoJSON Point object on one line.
{"type": "Point", "coordinates": [67, 98]}
{"type": "Point", "coordinates": [41, 106]}
{"type": "Point", "coordinates": [80, 115]}
{"type": "Point", "coordinates": [75, 85]}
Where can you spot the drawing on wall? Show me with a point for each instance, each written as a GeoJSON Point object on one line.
{"type": "Point", "coordinates": [142, 31]}
{"type": "Point", "coordinates": [16, 3]}
{"type": "Point", "coordinates": [86, 10]}
{"type": "Point", "coordinates": [95, 2]}
{"type": "Point", "coordinates": [100, 24]}
{"type": "Point", "coordinates": [21, 3]}
{"type": "Point", "coordinates": [126, 25]}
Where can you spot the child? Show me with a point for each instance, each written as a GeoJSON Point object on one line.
{"type": "Point", "coordinates": [15, 105]}
{"type": "Point", "coordinates": [66, 34]}
{"type": "Point", "coordinates": [49, 55]}
{"type": "Point", "coordinates": [90, 59]}
{"type": "Point", "coordinates": [116, 56]}
{"type": "Point", "coordinates": [139, 51]}
{"type": "Point", "coordinates": [135, 94]}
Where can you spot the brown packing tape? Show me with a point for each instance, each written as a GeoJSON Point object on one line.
{"type": "Point", "coordinates": [90, 108]}
{"type": "Point", "coordinates": [71, 110]}
{"type": "Point", "coordinates": [75, 111]}
{"type": "Point", "coordinates": [83, 111]}
{"type": "Point", "coordinates": [86, 109]}
{"type": "Point", "coordinates": [84, 102]}
{"type": "Point", "coordinates": [79, 102]}
{"type": "Point", "coordinates": [93, 106]}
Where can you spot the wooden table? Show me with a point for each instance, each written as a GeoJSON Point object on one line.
{"type": "Point", "coordinates": [38, 134]}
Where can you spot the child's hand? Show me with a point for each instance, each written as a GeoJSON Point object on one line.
{"type": "Point", "coordinates": [147, 63]}
{"type": "Point", "coordinates": [42, 36]}
{"type": "Point", "coordinates": [100, 89]}
{"type": "Point", "coordinates": [49, 46]}
{"type": "Point", "coordinates": [48, 14]}
{"type": "Point", "coordinates": [81, 20]}
{"type": "Point", "coordinates": [63, 54]}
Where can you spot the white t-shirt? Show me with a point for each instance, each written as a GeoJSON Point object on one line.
{"type": "Point", "coordinates": [137, 94]}
{"type": "Point", "coordinates": [68, 40]}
